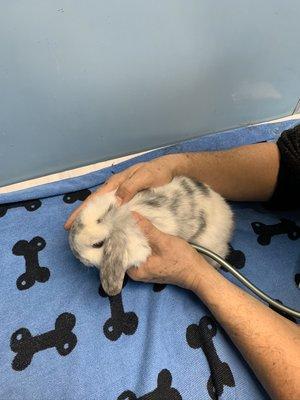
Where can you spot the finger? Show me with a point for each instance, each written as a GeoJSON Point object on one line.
{"type": "Point", "coordinates": [72, 218]}
{"type": "Point", "coordinates": [134, 273]}
{"type": "Point", "coordinates": [75, 213]}
{"type": "Point", "coordinates": [154, 235]}
{"type": "Point", "coordinates": [111, 184]}
{"type": "Point", "coordinates": [142, 273]}
{"type": "Point", "coordinates": [116, 180]}
{"type": "Point", "coordinates": [139, 273]}
{"type": "Point", "coordinates": [99, 192]}
{"type": "Point", "coordinates": [139, 180]}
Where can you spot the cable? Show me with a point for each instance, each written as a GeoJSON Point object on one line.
{"type": "Point", "coordinates": [245, 281]}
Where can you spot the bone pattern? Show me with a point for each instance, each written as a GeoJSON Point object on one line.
{"type": "Point", "coordinates": [80, 195]}
{"type": "Point", "coordinates": [164, 390]}
{"type": "Point", "coordinates": [34, 272]}
{"type": "Point", "coordinates": [26, 346]}
{"type": "Point", "coordinates": [266, 232]}
{"type": "Point", "coordinates": [120, 322]}
{"type": "Point", "coordinates": [158, 287]}
{"type": "Point", "coordinates": [236, 258]}
{"type": "Point", "coordinates": [201, 336]}
{"type": "Point", "coordinates": [29, 205]}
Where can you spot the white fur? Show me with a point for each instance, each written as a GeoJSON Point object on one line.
{"type": "Point", "coordinates": [125, 244]}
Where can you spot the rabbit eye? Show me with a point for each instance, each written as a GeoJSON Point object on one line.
{"type": "Point", "coordinates": [98, 245]}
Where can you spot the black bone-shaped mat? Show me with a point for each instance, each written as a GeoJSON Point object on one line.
{"type": "Point", "coordinates": [158, 287]}
{"type": "Point", "coordinates": [201, 336]}
{"type": "Point", "coordinates": [80, 195]}
{"type": "Point", "coordinates": [284, 227]}
{"type": "Point", "coordinates": [30, 205]}
{"type": "Point", "coordinates": [236, 258]}
{"type": "Point", "coordinates": [26, 345]}
{"type": "Point", "coordinates": [120, 322]}
{"type": "Point", "coordinates": [34, 272]}
{"type": "Point", "coordinates": [164, 390]}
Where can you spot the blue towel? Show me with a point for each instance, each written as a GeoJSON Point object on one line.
{"type": "Point", "coordinates": [62, 338]}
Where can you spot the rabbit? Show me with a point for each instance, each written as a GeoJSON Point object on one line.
{"type": "Point", "coordinates": [107, 236]}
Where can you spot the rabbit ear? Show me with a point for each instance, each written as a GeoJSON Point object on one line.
{"type": "Point", "coordinates": [114, 262]}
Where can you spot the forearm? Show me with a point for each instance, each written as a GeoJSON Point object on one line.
{"type": "Point", "coordinates": [243, 173]}
{"type": "Point", "coordinates": [268, 342]}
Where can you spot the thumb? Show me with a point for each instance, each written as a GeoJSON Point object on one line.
{"type": "Point", "coordinates": [152, 233]}
{"type": "Point", "coordinates": [138, 181]}
{"type": "Point", "coordinates": [109, 186]}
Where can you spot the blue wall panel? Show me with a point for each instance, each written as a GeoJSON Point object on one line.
{"type": "Point", "coordinates": [83, 81]}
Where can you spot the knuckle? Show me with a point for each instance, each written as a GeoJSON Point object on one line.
{"type": "Point", "coordinates": [148, 171]}
{"type": "Point", "coordinates": [132, 273]}
{"type": "Point", "coordinates": [125, 190]}
{"type": "Point", "coordinates": [113, 179]}
{"type": "Point", "coordinates": [138, 274]}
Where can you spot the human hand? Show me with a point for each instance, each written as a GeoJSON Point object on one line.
{"type": "Point", "coordinates": [140, 176]}
{"type": "Point", "coordinates": [172, 260]}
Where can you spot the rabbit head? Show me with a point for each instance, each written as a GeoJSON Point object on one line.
{"type": "Point", "coordinates": [106, 236]}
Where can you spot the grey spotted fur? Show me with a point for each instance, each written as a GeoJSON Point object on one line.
{"type": "Point", "coordinates": [185, 208]}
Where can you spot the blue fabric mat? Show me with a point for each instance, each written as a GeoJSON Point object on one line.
{"type": "Point", "coordinates": [60, 338]}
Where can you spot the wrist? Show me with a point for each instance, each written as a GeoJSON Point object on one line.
{"type": "Point", "coordinates": [204, 277]}
{"type": "Point", "coordinates": [196, 273]}
{"type": "Point", "coordinates": [179, 164]}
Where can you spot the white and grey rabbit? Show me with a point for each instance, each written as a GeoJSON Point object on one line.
{"type": "Point", "coordinates": [106, 235]}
